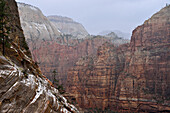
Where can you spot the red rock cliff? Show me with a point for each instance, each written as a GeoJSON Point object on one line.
{"type": "Point", "coordinates": [133, 77]}
{"type": "Point", "coordinates": [54, 50]}
{"type": "Point", "coordinates": [54, 56]}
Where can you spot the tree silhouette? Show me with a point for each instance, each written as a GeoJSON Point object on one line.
{"type": "Point", "coordinates": [4, 28]}
{"type": "Point", "coordinates": [56, 82]}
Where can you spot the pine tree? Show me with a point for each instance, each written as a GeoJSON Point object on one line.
{"type": "Point", "coordinates": [4, 29]}
{"type": "Point", "coordinates": [56, 83]}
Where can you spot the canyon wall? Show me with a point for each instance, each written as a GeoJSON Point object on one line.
{"type": "Point", "coordinates": [60, 51]}
{"type": "Point", "coordinates": [101, 74]}
{"type": "Point", "coordinates": [23, 88]}
{"type": "Point", "coordinates": [132, 77]}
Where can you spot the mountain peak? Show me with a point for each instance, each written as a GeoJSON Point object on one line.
{"type": "Point", "coordinates": [68, 26]}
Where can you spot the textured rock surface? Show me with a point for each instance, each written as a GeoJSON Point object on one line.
{"type": "Point", "coordinates": [54, 56]}
{"type": "Point", "coordinates": [23, 89]}
{"type": "Point", "coordinates": [134, 77]}
{"type": "Point", "coordinates": [68, 26]}
{"type": "Point", "coordinates": [93, 78]}
{"type": "Point", "coordinates": [30, 92]}
{"type": "Point", "coordinates": [36, 26]}
{"type": "Point", "coordinates": [62, 52]}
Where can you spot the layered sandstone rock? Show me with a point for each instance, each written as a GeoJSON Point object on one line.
{"type": "Point", "coordinates": [53, 56]}
{"type": "Point", "coordinates": [23, 88]}
{"type": "Point", "coordinates": [134, 77]}
{"type": "Point", "coordinates": [93, 79]}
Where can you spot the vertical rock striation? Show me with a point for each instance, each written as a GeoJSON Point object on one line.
{"type": "Point", "coordinates": [132, 77]}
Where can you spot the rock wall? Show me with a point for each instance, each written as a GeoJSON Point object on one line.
{"type": "Point", "coordinates": [23, 88]}
{"type": "Point", "coordinates": [133, 77]}
{"type": "Point", "coordinates": [60, 52]}
{"type": "Point", "coordinates": [53, 56]}
{"type": "Point", "coordinates": [93, 79]}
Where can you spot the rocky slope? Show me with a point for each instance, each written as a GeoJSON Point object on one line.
{"type": "Point", "coordinates": [68, 26]}
{"type": "Point", "coordinates": [62, 52]}
{"type": "Point", "coordinates": [23, 88]}
{"type": "Point", "coordinates": [133, 77]}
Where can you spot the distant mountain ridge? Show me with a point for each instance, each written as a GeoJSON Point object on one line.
{"type": "Point", "coordinates": [117, 32]}
{"type": "Point", "coordinates": [68, 26]}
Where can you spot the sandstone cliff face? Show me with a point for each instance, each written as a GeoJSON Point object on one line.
{"type": "Point", "coordinates": [23, 88]}
{"type": "Point", "coordinates": [36, 26]}
{"type": "Point", "coordinates": [54, 56]}
{"type": "Point", "coordinates": [68, 26]}
{"type": "Point", "coordinates": [134, 77]}
{"type": "Point", "coordinates": [93, 79]}
{"type": "Point", "coordinates": [60, 53]}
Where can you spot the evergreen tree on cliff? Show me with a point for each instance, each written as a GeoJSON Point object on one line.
{"type": "Point", "coordinates": [4, 29]}
{"type": "Point", "coordinates": [56, 82]}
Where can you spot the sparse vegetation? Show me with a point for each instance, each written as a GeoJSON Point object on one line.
{"type": "Point", "coordinates": [25, 45]}
{"type": "Point", "coordinates": [56, 82]}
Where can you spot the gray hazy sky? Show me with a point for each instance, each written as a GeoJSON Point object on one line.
{"type": "Point", "coordinates": [100, 15]}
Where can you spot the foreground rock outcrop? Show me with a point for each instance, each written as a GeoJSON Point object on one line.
{"type": "Point", "coordinates": [23, 88]}
{"type": "Point", "coordinates": [133, 77]}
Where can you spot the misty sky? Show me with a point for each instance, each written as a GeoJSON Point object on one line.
{"type": "Point", "coordinates": [100, 15]}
